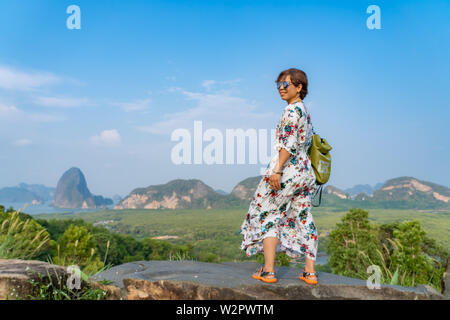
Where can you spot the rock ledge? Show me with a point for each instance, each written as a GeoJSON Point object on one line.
{"type": "Point", "coordinates": [191, 280]}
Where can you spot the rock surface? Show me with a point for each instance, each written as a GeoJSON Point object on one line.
{"type": "Point", "coordinates": [446, 280]}
{"type": "Point", "coordinates": [15, 276]}
{"type": "Point", "coordinates": [191, 280]}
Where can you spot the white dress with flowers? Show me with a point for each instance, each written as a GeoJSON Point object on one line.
{"type": "Point", "coordinates": [286, 213]}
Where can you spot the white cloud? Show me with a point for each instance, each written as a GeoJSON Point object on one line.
{"type": "Point", "coordinates": [13, 79]}
{"type": "Point", "coordinates": [208, 83]}
{"type": "Point", "coordinates": [219, 110]}
{"type": "Point", "coordinates": [14, 114]}
{"type": "Point", "coordinates": [62, 102]}
{"type": "Point", "coordinates": [42, 117]}
{"type": "Point", "coordinates": [135, 105]}
{"type": "Point", "coordinates": [174, 89]}
{"type": "Point", "coordinates": [107, 137]}
{"type": "Point", "coordinates": [7, 112]}
{"type": "Point", "coordinates": [27, 83]}
{"type": "Point", "coordinates": [22, 142]}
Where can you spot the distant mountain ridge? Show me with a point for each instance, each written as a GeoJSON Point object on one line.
{"type": "Point", "coordinates": [402, 192]}
{"type": "Point", "coordinates": [359, 188]}
{"type": "Point", "coordinates": [332, 190]}
{"type": "Point", "coordinates": [32, 193]}
{"type": "Point", "coordinates": [404, 188]}
{"type": "Point", "coordinates": [72, 192]}
{"type": "Point", "coordinates": [43, 192]}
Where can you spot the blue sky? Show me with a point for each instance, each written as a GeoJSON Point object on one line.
{"type": "Point", "coordinates": [106, 98]}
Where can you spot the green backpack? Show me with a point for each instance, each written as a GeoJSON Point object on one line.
{"type": "Point", "coordinates": [320, 161]}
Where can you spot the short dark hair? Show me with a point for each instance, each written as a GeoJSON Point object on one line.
{"type": "Point", "coordinates": [297, 77]}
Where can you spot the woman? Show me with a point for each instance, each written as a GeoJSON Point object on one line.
{"type": "Point", "coordinates": [279, 216]}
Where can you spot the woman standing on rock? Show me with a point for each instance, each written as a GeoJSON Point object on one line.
{"type": "Point", "coordinates": [279, 216]}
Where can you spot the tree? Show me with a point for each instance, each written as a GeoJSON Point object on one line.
{"type": "Point", "coordinates": [405, 255]}
{"type": "Point", "coordinates": [353, 245]}
{"type": "Point", "coordinates": [77, 247]}
{"type": "Point", "coordinates": [414, 265]}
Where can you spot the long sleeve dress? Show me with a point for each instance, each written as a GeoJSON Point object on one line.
{"type": "Point", "coordinates": [286, 213]}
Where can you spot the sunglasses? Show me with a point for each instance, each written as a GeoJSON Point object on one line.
{"type": "Point", "coordinates": [285, 84]}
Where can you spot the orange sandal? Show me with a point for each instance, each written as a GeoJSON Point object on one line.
{"type": "Point", "coordinates": [305, 275]}
{"type": "Point", "coordinates": [265, 276]}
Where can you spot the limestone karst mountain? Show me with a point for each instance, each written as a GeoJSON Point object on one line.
{"type": "Point", "coordinates": [336, 191]}
{"type": "Point", "coordinates": [402, 192]}
{"type": "Point", "coordinates": [361, 196]}
{"type": "Point", "coordinates": [409, 188]}
{"type": "Point", "coordinates": [72, 192]}
{"type": "Point", "coordinates": [246, 188]}
{"type": "Point", "coordinates": [397, 193]}
{"type": "Point", "coordinates": [177, 194]}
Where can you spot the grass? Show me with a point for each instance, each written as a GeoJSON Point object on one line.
{"type": "Point", "coordinates": [46, 289]}
{"type": "Point", "coordinates": [19, 239]}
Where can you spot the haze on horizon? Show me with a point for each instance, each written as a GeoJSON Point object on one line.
{"type": "Point", "coordinates": [106, 98]}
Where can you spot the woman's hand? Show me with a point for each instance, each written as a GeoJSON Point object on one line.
{"type": "Point", "coordinates": [274, 180]}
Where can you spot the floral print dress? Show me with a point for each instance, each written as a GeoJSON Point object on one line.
{"type": "Point", "coordinates": [286, 213]}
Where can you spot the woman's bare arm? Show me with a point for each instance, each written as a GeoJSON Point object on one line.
{"type": "Point", "coordinates": [283, 156]}
{"type": "Point", "coordinates": [274, 179]}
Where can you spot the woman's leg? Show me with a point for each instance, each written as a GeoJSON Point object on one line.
{"type": "Point", "coordinates": [270, 246]}
{"type": "Point", "coordinates": [309, 265]}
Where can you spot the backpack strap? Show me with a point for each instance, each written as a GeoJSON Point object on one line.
{"type": "Point", "coordinates": [320, 197]}
{"type": "Point", "coordinates": [321, 186]}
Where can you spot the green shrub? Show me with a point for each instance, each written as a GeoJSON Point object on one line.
{"type": "Point", "coordinates": [21, 238]}
{"type": "Point", "coordinates": [353, 245]}
{"type": "Point", "coordinates": [77, 247]}
{"type": "Point", "coordinates": [46, 289]}
{"type": "Point", "coordinates": [405, 255]}
{"type": "Point", "coordinates": [413, 265]}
